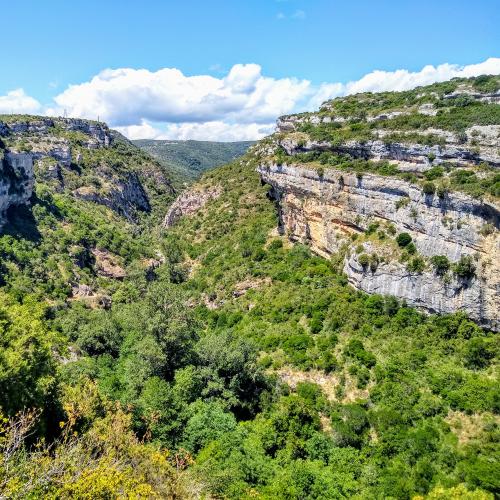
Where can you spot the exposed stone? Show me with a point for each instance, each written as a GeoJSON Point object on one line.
{"type": "Point", "coordinates": [325, 210]}
{"type": "Point", "coordinates": [189, 203]}
{"type": "Point", "coordinates": [16, 181]}
{"type": "Point", "coordinates": [108, 265]}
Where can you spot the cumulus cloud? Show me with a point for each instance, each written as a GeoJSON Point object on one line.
{"type": "Point", "coordinates": [125, 97]}
{"type": "Point", "coordinates": [241, 104]}
{"type": "Point", "coordinates": [16, 101]}
{"type": "Point", "coordinates": [402, 79]}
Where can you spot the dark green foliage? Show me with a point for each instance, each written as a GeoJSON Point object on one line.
{"type": "Point", "coordinates": [356, 350]}
{"type": "Point", "coordinates": [479, 351]}
{"type": "Point", "coordinates": [441, 264]}
{"type": "Point", "coordinates": [416, 265]}
{"type": "Point", "coordinates": [465, 267]}
{"type": "Point", "coordinates": [403, 239]}
{"type": "Point", "coordinates": [364, 259]}
{"type": "Point", "coordinates": [187, 160]}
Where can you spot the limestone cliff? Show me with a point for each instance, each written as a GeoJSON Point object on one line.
{"type": "Point", "coordinates": [84, 158]}
{"type": "Point", "coordinates": [350, 187]}
{"type": "Point", "coordinates": [16, 181]}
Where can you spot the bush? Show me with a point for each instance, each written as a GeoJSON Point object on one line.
{"type": "Point", "coordinates": [487, 229]}
{"type": "Point", "coordinates": [363, 259]}
{"type": "Point", "coordinates": [374, 261]}
{"type": "Point", "coordinates": [356, 350]}
{"type": "Point", "coordinates": [411, 248]}
{"type": "Point", "coordinates": [416, 265]}
{"type": "Point", "coordinates": [402, 202]}
{"type": "Point", "coordinates": [403, 239]}
{"type": "Point", "coordinates": [434, 173]}
{"type": "Point", "coordinates": [478, 353]}
{"type": "Point", "coordinates": [441, 264]}
{"type": "Point", "coordinates": [465, 267]}
{"type": "Point", "coordinates": [428, 188]}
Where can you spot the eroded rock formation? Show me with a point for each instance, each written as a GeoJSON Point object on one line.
{"type": "Point", "coordinates": [326, 209]}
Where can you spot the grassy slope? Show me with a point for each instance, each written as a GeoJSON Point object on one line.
{"type": "Point", "coordinates": [189, 159]}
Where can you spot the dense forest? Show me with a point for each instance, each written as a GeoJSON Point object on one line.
{"type": "Point", "coordinates": [223, 361]}
{"type": "Point", "coordinates": [187, 160]}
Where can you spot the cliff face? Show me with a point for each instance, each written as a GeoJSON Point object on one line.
{"type": "Point", "coordinates": [353, 197]}
{"type": "Point", "coordinates": [16, 181]}
{"type": "Point", "coordinates": [80, 157]}
{"type": "Point", "coordinates": [326, 211]}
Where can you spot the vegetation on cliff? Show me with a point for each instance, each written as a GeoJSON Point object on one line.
{"type": "Point", "coordinates": [223, 361]}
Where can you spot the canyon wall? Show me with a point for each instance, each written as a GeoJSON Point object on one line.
{"type": "Point", "coordinates": [325, 210]}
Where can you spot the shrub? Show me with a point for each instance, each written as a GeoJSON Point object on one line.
{"type": "Point", "coordinates": [441, 264]}
{"type": "Point", "coordinates": [462, 137]}
{"type": "Point", "coordinates": [372, 228]}
{"type": "Point", "coordinates": [363, 259]}
{"type": "Point", "coordinates": [428, 188]}
{"type": "Point", "coordinates": [465, 267]}
{"type": "Point", "coordinates": [391, 229]}
{"type": "Point", "coordinates": [416, 265]}
{"type": "Point", "coordinates": [356, 350]}
{"type": "Point", "coordinates": [403, 239]}
{"type": "Point", "coordinates": [487, 229]}
{"type": "Point", "coordinates": [374, 260]}
{"type": "Point", "coordinates": [442, 190]}
{"type": "Point", "coordinates": [478, 353]}
{"type": "Point", "coordinates": [402, 202]}
{"type": "Point", "coordinates": [411, 248]}
{"type": "Point", "coordinates": [434, 173]}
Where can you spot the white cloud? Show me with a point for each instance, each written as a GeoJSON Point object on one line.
{"type": "Point", "coordinates": [402, 79]}
{"type": "Point", "coordinates": [124, 97]}
{"type": "Point", "coordinates": [242, 104]}
{"type": "Point", "coordinates": [16, 101]}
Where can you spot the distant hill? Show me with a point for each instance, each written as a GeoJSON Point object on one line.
{"type": "Point", "coordinates": [189, 159]}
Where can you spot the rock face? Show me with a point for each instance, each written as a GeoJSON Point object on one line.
{"type": "Point", "coordinates": [82, 157]}
{"type": "Point", "coordinates": [189, 203]}
{"type": "Point", "coordinates": [351, 176]}
{"type": "Point", "coordinates": [16, 181]}
{"type": "Point", "coordinates": [325, 209]}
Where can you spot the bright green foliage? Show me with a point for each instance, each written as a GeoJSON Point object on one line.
{"type": "Point", "coordinates": [27, 367]}
{"type": "Point", "coordinates": [251, 360]}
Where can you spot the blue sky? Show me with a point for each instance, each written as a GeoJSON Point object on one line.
{"type": "Point", "coordinates": [51, 44]}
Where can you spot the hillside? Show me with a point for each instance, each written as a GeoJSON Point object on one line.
{"type": "Point", "coordinates": [187, 160]}
{"type": "Point", "coordinates": [221, 345]}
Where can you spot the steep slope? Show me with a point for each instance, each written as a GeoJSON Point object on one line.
{"type": "Point", "coordinates": [376, 394]}
{"type": "Point", "coordinates": [187, 160]}
{"type": "Point", "coordinates": [208, 355]}
{"type": "Point", "coordinates": [75, 199]}
{"type": "Point", "coordinates": [366, 169]}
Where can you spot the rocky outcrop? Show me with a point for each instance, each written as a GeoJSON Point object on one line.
{"type": "Point", "coordinates": [64, 152]}
{"type": "Point", "coordinates": [125, 197]}
{"type": "Point", "coordinates": [417, 156]}
{"type": "Point", "coordinates": [99, 132]}
{"type": "Point", "coordinates": [16, 181]}
{"type": "Point", "coordinates": [189, 203]}
{"type": "Point", "coordinates": [325, 209]}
